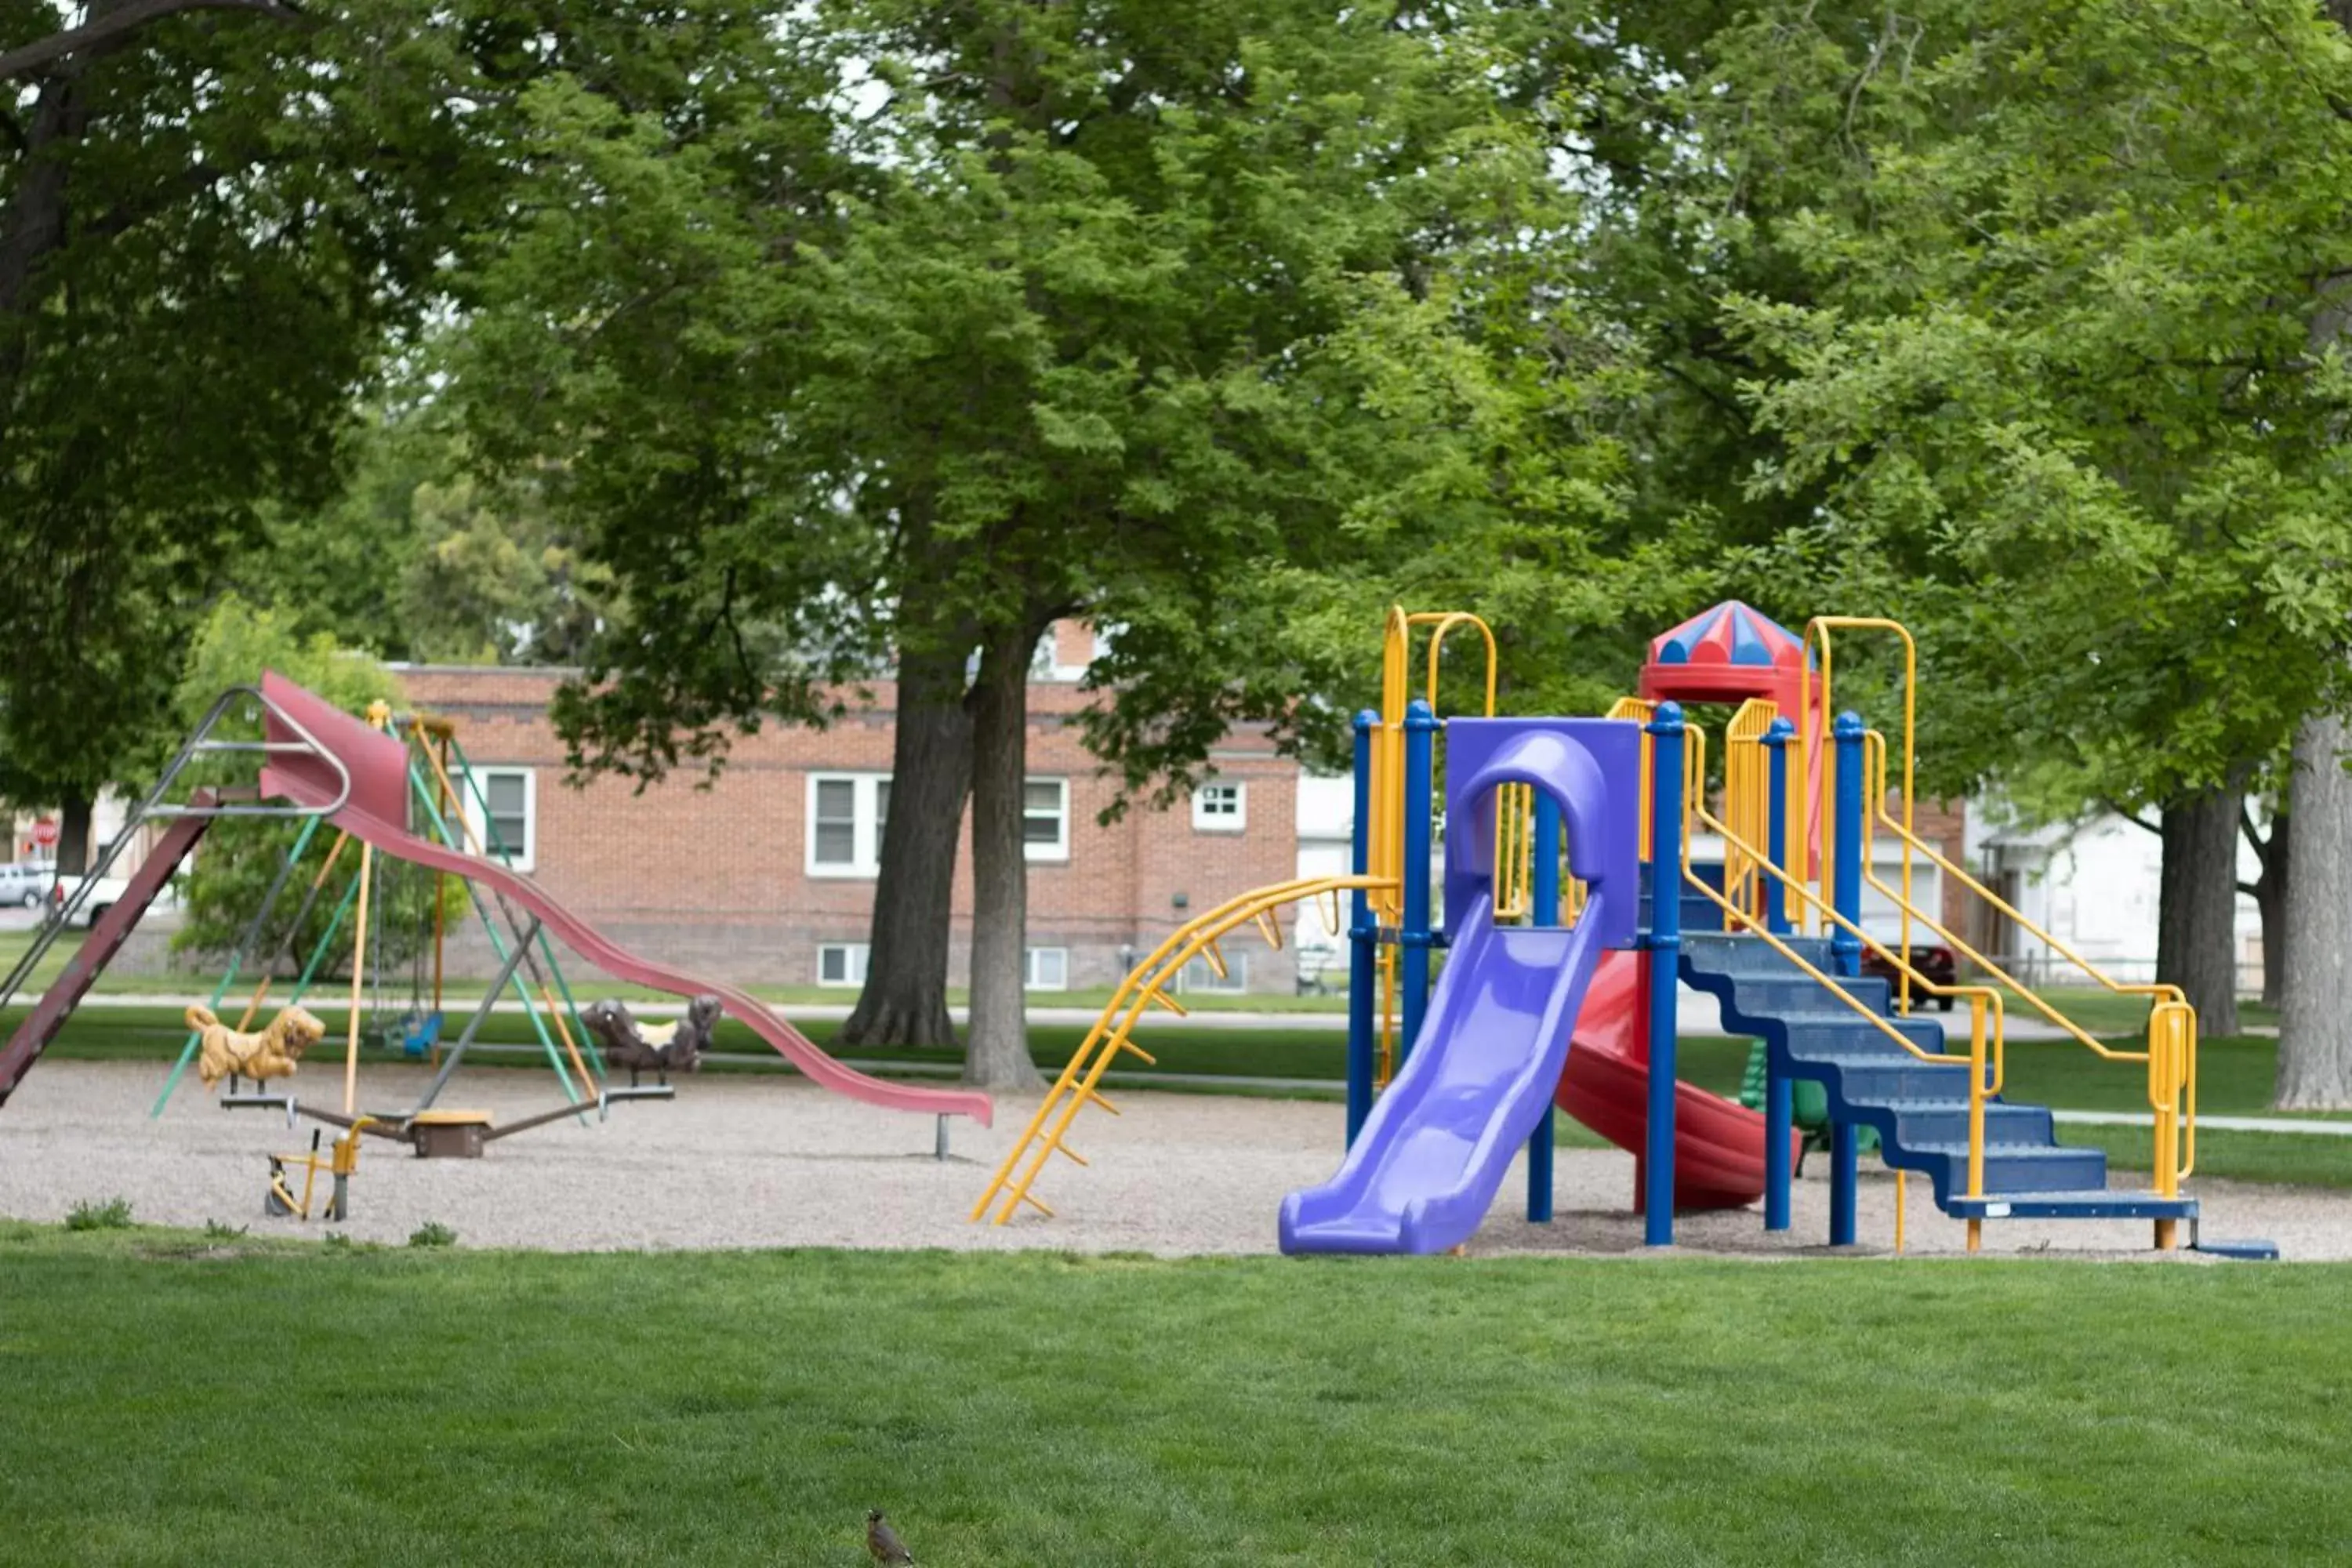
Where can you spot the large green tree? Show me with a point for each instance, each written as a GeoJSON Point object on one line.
{"type": "Point", "coordinates": [210, 218]}
{"type": "Point", "coordinates": [2030, 316]}
{"type": "Point", "coordinates": [1048, 313]}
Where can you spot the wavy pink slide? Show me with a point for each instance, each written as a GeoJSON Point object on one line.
{"type": "Point", "coordinates": [378, 806]}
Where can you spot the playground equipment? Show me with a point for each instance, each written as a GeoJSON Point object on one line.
{"type": "Point", "coordinates": [370, 903]}
{"type": "Point", "coordinates": [341, 1164]}
{"type": "Point", "coordinates": [658, 1048]}
{"type": "Point", "coordinates": [319, 762]}
{"type": "Point", "coordinates": [1749, 888]}
{"type": "Point", "coordinates": [224, 1052]}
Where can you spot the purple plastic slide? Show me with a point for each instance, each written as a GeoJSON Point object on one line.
{"type": "Point", "coordinates": [1482, 1068]}
{"type": "Point", "coordinates": [1438, 1144]}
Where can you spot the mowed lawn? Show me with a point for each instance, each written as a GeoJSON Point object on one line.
{"type": "Point", "coordinates": [174, 1400]}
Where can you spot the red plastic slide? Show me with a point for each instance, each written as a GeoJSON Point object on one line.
{"type": "Point", "coordinates": [1718, 1146]}
{"type": "Point", "coordinates": [378, 804]}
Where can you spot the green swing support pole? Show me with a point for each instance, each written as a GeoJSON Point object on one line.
{"type": "Point", "coordinates": [464, 768]}
{"type": "Point", "coordinates": [497, 945]}
{"type": "Point", "coordinates": [237, 956]}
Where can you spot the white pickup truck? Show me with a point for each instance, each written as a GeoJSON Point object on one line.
{"type": "Point", "coordinates": [104, 894]}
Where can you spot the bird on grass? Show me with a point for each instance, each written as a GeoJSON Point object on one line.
{"type": "Point", "coordinates": [882, 1543]}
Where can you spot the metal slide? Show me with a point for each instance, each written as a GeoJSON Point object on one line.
{"type": "Point", "coordinates": [377, 766]}
{"type": "Point", "coordinates": [1435, 1148]}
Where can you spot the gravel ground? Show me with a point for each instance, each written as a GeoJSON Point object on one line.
{"type": "Point", "coordinates": [769, 1161]}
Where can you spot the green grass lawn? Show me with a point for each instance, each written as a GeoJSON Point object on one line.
{"type": "Point", "coordinates": [173, 1400]}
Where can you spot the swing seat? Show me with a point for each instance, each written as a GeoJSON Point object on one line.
{"type": "Point", "coordinates": [422, 1037]}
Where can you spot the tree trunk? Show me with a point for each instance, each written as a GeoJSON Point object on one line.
{"type": "Point", "coordinates": [2315, 1058]}
{"type": "Point", "coordinates": [2196, 912]}
{"type": "Point", "coordinates": [2269, 893]}
{"type": "Point", "coordinates": [73, 834]}
{"type": "Point", "coordinates": [996, 1055]}
{"type": "Point", "coordinates": [905, 1001]}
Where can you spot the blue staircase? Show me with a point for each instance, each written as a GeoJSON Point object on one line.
{"type": "Point", "coordinates": [1919, 1110]}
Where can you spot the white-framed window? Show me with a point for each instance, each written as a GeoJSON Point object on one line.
{"type": "Point", "coordinates": [1199, 976]}
{"type": "Point", "coordinates": [845, 813]}
{"type": "Point", "coordinates": [508, 829]}
{"type": "Point", "coordinates": [1047, 968]}
{"type": "Point", "coordinates": [1045, 819]}
{"type": "Point", "coordinates": [841, 964]}
{"type": "Point", "coordinates": [1220, 808]}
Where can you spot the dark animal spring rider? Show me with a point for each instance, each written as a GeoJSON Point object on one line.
{"type": "Point", "coordinates": [659, 1049]}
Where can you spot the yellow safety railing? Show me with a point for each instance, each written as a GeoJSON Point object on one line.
{"type": "Point", "coordinates": [1987, 1057]}
{"type": "Point", "coordinates": [1825, 712]}
{"type": "Point", "coordinates": [1384, 859]}
{"type": "Point", "coordinates": [1747, 799]}
{"type": "Point", "coordinates": [2171, 1053]}
{"type": "Point", "coordinates": [1145, 987]}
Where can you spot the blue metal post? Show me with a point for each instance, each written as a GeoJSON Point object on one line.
{"type": "Point", "coordinates": [1777, 740]}
{"type": "Point", "coordinates": [1780, 1098]}
{"type": "Point", "coordinates": [1665, 729]}
{"type": "Point", "coordinates": [1363, 943]}
{"type": "Point", "coordinates": [1845, 897]}
{"type": "Point", "coordinates": [1415, 939]}
{"type": "Point", "coordinates": [1845, 884]}
{"type": "Point", "coordinates": [1545, 912]}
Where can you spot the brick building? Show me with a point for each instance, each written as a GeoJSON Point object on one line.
{"type": "Point", "coordinates": [768, 874]}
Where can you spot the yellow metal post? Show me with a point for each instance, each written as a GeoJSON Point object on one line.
{"type": "Point", "coordinates": [359, 976]}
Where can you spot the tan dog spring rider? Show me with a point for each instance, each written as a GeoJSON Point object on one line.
{"type": "Point", "coordinates": [270, 1054]}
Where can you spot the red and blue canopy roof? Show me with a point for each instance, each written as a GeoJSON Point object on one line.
{"type": "Point", "coordinates": [1726, 655]}
{"type": "Point", "coordinates": [1731, 633]}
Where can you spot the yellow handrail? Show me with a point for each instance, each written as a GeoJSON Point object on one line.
{"type": "Point", "coordinates": [1747, 797]}
{"type": "Point", "coordinates": [2171, 1053]}
{"type": "Point", "coordinates": [1987, 1022]}
{"type": "Point", "coordinates": [1807, 710]}
{"type": "Point", "coordinates": [1144, 986]}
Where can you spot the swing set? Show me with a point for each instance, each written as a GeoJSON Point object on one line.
{"type": "Point", "coordinates": [447, 803]}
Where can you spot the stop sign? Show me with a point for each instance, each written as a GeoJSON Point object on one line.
{"type": "Point", "coordinates": [45, 832]}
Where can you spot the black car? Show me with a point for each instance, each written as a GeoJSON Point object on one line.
{"type": "Point", "coordinates": [1936, 962]}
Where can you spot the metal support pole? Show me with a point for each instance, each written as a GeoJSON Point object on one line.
{"type": "Point", "coordinates": [1846, 888]}
{"type": "Point", "coordinates": [1845, 947]}
{"type": "Point", "coordinates": [1845, 1184]}
{"type": "Point", "coordinates": [236, 957]}
{"type": "Point", "coordinates": [493, 842]}
{"type": "Point", "coordinates": [1415, 939]}
{"type": "Point", "coordinates": [1780, 1094]}
{"type": "Point", "coordinates": [498, 945]}
{"type": "Point", "coordinates": [940, 1140]}
{"type": "Point", "coordinates": [1777, 742]}
{"type": "Point", "coordinates": [1363, 943]}
{"type": "Point", "coordinates": [1544, 911]}
{"type": "Point", "coordinates": [1666, 729]}
{"type": "Point", "coordinates": [456, 1053]}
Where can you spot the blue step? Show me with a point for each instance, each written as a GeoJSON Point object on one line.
{"type": "Point", "coordinates": [1918, 1108]}
{"type": "Point", "coordinates": [2096, 1203]}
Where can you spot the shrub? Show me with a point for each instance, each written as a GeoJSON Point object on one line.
{"type": "Point", "coordinates": [114, 1214]}
{"type": "Point", "coordinates": [432, 1233]}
